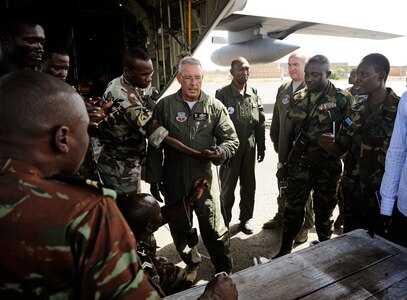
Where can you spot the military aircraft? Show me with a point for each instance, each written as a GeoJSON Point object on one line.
{"type": "Point", "coordinates": [96, 33]}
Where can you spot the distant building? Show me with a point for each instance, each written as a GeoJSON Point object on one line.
{"type": "Point", "coordinates": [280, 70]}
{"type": "Point", "coordinates": [271, 70]}
{"type": "Point", "coordinates": [398, 71]}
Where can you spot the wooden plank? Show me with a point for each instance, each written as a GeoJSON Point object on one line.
{"type": "Point", "coordinates": [301, 273]}
{"type": "Point", "coordinates": [306, 280]}
{"type": "Point", "coordinates": [397, 291]}
{"type": "Point", "coordinates": [383, 277]}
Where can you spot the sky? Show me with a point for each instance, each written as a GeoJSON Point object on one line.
{"type": "Point", "coordinates": [386, 16]}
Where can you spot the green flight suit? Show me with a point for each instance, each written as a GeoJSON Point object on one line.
{"type": "Point", "coordinates": [246, 113]}
{"type": "Point", "coordinates": [205, 126]}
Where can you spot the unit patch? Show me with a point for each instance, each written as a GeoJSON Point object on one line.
{"type": "Point", "coordinates": [286, 99]}
{"type": "Point", "coordinates": [200, 116]}
{"type": "Point", "coordinates": [181, 116]}
{"type": "Point", "coordinates": [231, 110]}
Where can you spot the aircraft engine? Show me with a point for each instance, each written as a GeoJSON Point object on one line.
{"type": "Point", "coordinates": [260, 51]}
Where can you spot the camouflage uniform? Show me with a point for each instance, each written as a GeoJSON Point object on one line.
{"type": "Point", "coordinates": [64, 241]}
{"type": "Point", "coordinates": [206, 125]}
{"type": "Point", "coordinates": [124, 144]}
{"type": "Point", "coordinates": [366, 136]}
{"type": "Point", "coordinates": [284, 99]}
{"type": "Point", "coordinates": [351, 91]}
{"type": "Point", "coordinates": [167, 277]}
{"type": "Point", "coordinates": [248, 117]}
{"type": "Point", "coordinates": [339, 220]}
{"type": "Point", "coordinates": [310, 168]}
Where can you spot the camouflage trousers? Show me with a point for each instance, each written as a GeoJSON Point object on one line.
{"type": "Point", "coordinates": [361, 209]}
{"type": "Point", "coordinates": [321, 178]}
{"type": "Point", "coordinates": [309, 219]}
{"type": "Point", "coordinates": [166, 277]}
{"type": "Point", "coordinates": [122, 175]}
{"type": "Point", "coordinates": [172, 278]}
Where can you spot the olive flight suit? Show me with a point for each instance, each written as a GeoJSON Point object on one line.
{"type": "Point", "coordinates": [204, 126]}
{"type": "Point", "coordinates": [246, 112]}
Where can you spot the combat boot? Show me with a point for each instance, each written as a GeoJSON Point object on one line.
{"type": "Point", "coordinates": [302, 236]}
{"type": "Point", "coordinates": [284, 249]}
{"type": "Point", "coordinates": [339, 221]}
{"type": "Point", "coordinates": [276, 222]}
{"type": "Point", "coordinates": [286, 246]}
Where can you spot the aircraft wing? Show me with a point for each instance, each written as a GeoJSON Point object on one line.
{"type": "Point", "coordinates": [280, 28]}
{"type": "Point", "coordinates": [96, 34]}
{"type": "Point", "coordinates": [260, 39]}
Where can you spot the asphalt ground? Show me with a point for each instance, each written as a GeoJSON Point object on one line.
{"type": "Point", "coordinates": [264, 244]}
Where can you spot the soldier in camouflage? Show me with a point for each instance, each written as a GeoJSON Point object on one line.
{"type": "Point", "coordinates": [339, 219]}
{"type": "Point", "coordinates": [54, 243]}
{"type": "Point", "coordinates": [365, 137]}
{"type": "Point", "coordinates": [317, 109]}
{"type": "Point", "coordinates": [285, 93]}
{"type": "Point", "coordinates": [124, 143]}
{"type": "Point", "coordinates": [145, 216]}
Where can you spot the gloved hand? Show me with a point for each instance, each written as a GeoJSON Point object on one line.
{"type": "Point", "coordinates": [282, 173]}
{"type": "Point", "coordinates": [382, 226]}
{"type": "Point", "coordinates": [155, 189]}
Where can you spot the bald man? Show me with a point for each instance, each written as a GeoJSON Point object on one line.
{"type": "Point", "coordinates": [61, 236]}
{"type": "Point", "coordinates": [246, 111]}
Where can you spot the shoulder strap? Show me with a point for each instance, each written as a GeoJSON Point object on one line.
{"type": "Point", "coordinates": [85, 183]}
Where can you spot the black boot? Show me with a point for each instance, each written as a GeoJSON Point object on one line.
{"type": "Point", "coordinates": [286, 245]}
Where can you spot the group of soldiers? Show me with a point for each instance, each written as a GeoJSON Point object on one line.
{"type": "Point", "coordinates": [177, 142]}
{"type": "Point", "coordinates": [73, 226]}
{"type": "Point", "coordinates": [333, 147]}
{"type": "Point", "coordinates": [326, 142]}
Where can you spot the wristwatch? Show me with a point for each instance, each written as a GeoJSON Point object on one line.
{"type": "Point", "coordinates": [280, 165]}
